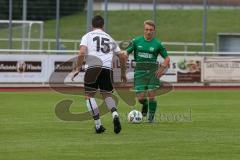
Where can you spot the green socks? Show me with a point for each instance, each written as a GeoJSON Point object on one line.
{"type": "Point", "coordinates": [152, 110]}
{"type": "Point", "coordinates": [144, 103]}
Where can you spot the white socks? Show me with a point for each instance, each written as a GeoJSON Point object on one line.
{"type": "Point", "coordinates": [93, 109]}
{"type": "Point", "coordinates": [98, 123]}
{"type": "Point", "coordinates": [92, 106]}
{"type": "Point", "coordinates": [110, 103]}
{"type": "Point", "coordinates": [114, 114]}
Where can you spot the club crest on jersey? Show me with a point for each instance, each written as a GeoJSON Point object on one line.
{"type": "Point", "coordinates": [151, 49]}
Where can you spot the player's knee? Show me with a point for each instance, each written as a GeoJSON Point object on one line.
{"type": "Point", "coordinates": [152, 98]}
{"type": "Point", "coordinates": [106, 95]}
{"type": "Point", "coordinates": [109, 100]}
{"type": "Point", "coordinates": [142, 100]}
{"type": "Point", "coordinates": [89, 95]}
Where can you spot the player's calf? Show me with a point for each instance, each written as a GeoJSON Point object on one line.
{"type": "Point", "coordinates": [116, 120]}
{"type": "Point", "coordinates": [144, 103]}
{"type": "Point", "coordinates": [152, 110]}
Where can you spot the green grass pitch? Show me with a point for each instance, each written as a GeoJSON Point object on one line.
{"type": "Point", "coordinates": [191, 125]}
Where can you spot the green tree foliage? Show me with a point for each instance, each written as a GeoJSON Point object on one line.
{"type": "Point", "coordinates": [40, 9]}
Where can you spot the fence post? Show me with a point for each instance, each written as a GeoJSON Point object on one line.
{"type": "Point", "coordinates": [24, 18]}
{"type": "Point", "coordinates": [57, 24]}
{"type": "Point", "coordinates": [204, 30]}
{"type": "Point", "coordinates": [106, 15]}
{"type": "Point", "coordinates": [89, 14]}
{"type": "Point", "coordinates": [10, 25]}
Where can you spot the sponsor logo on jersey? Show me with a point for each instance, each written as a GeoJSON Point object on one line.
{"type": "Point", "coordinates": [151, 49]}
{"type": "Point", "coordinates": [145, 55]}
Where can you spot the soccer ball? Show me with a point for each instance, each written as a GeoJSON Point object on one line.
{"type": "Point", "coordinates": [135, 116]}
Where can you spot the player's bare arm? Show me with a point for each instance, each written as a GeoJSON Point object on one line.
{"type": "Point", "coordinates": [80, 59]}
{"type": "Point", "coordinates": [123, 59]}
{"type": "Point", "coordinates": [163, 67]}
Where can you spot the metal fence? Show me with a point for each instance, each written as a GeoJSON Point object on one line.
{"type": "Point", "coordinates": [68, 44]}
{"type": "Point", "coordinates": [66, 21]}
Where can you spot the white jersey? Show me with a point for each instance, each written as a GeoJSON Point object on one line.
{"type": "Point", "coordinates": [100, 48]}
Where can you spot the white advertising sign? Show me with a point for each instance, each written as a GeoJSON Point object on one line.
{"type": "Point", "coordinates": [181, 69]}
{"type": "Point", "coordinates": [29, 68]}
{"type": "Point", "coordinates": [188, 68]}
{"type": "Point", "coordinates": [219, 69]}
{"type": "Point", "coordinates": [23, 68]}
{"type": "Point", "coordinates": [61, 66]}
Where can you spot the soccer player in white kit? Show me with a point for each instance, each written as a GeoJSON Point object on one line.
{"type": "Point", "coordinates": [97, 49]}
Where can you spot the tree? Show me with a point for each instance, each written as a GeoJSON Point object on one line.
{"type": "Point", "coordinates": [40, 9]}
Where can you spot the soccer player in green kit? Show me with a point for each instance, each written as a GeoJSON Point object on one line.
{"type": "Point", "coordinates": [146, 49]}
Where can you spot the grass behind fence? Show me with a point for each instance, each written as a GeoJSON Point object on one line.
{"type": "Point", "coordinates": [172, 26]}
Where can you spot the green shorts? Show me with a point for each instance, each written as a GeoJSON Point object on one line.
{"type": "Point", "coordinates": [145, 81]}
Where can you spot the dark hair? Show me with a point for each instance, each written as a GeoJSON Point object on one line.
{"type": "Point", "coordinates": [97, 21]}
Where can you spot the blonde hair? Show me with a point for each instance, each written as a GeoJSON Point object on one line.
{"type": "Point", "coordinates": [150, 23]}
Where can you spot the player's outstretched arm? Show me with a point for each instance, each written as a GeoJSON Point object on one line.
{"type": "Point", "coordinates": [80, 59]}
{"type": "Point", "coordinates": [123, 59]}
{"type": "Point", "coordinates": [163, 67]}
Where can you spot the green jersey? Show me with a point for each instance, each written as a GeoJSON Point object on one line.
{"type": "Point", "coordinates": [146, 51]}
{"type": "Point", "coordinates": [145, 55]}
